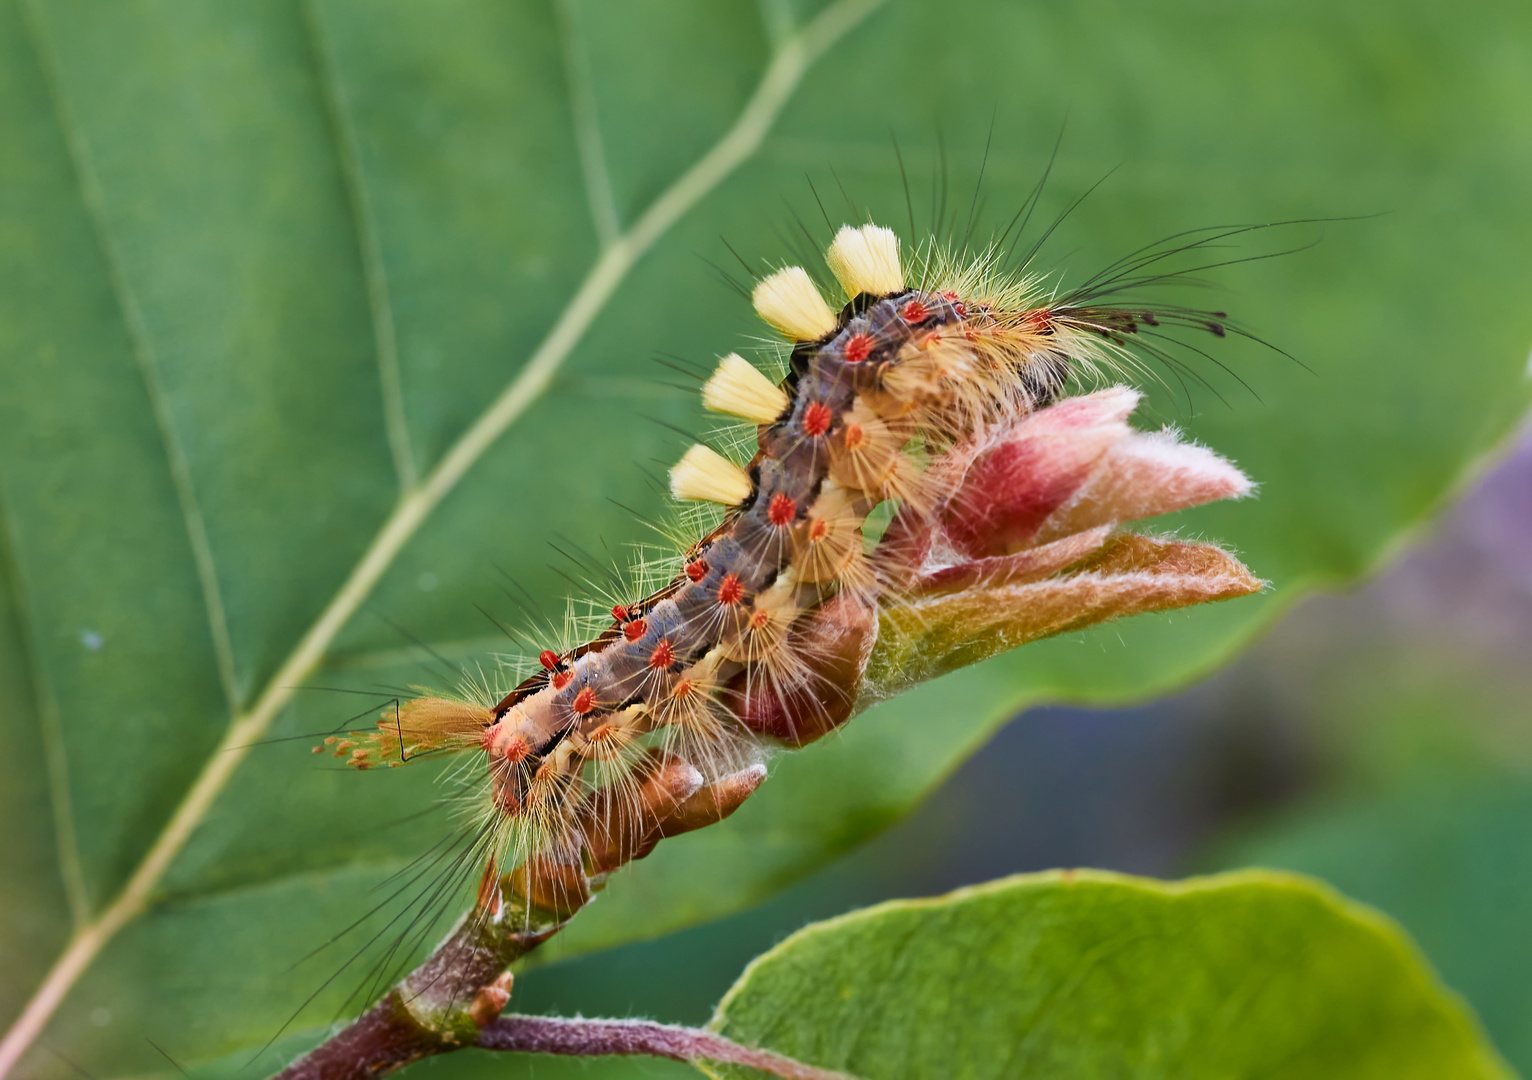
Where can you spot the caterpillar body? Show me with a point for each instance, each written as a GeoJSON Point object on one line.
{"type": "Point", "coordinates": [721, 659]}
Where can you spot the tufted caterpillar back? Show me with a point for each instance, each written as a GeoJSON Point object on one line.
{"type": "Point", "coordinates": [757, 633]}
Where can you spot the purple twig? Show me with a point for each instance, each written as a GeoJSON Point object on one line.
{"type": "Point", "coordinates": [592, 1038]}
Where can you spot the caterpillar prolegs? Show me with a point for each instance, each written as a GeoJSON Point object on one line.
{"type": "Point", "coordinates": [759, 635]}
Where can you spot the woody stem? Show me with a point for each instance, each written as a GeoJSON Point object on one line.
{"type": "Point", "coordinates": [591, 1038]}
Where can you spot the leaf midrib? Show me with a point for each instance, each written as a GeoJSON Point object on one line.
{"type": "Point", "coordinates": [788, 63]}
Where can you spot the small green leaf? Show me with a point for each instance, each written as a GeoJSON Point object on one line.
{"type": "Point", "coordinates": [1452, 861]}
{"type": "Point", "coordinates": [1090, 974]}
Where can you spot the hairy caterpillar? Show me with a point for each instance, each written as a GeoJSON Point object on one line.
{"type": "Point", "coordinates": [723, 656]}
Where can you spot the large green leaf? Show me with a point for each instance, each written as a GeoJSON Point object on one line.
{"type": "Point", "coordinates": [1097, 975]}
{"type": "Point", "coordinates": [262, 265]}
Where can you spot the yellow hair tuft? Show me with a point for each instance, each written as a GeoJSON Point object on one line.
{"type": "Point", "coordinates": [866, 260]}
{"type": "Point", "coordinates": [705, 475]}
{"type": "Point", "coordinates": [738, 389]}
{"type": "Point", "coordinates": [790, 301]}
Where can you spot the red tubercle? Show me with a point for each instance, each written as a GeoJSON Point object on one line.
{"type": "Point", "coordinates": [584, 701]}
{"type": "Point", "coordinates": [730, 590]}
{"type": "Point", "coordinates": [914, 312]}
{"type": "Point", "coordinates": [858, 348]}
{"type": "Point", "coordinates": [499, 741]}
{"type": "Point", "coordinates": [663, 656]}
{"type": "Point", "coordinates": [561, 679]}
{"type": "Point", "coordinates": [620, 612]}
{"type": "Point", "coordinates": [781, 511]}
{"type": "Point", "coordinates": [635, 629]}
{"type": "Point", "coordinates": [696, 570]}
{"type": "Point", "coordinates": [548, 659]}
{"type": "Point", "coordinates": [956, 302]}
{"type": "Point", "coordinates": [515, 750]}
{"type": "Point", "coordinates": [817, 419]}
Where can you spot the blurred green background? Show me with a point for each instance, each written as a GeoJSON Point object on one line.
{"type": "Point", "coordinates": [262, 263]}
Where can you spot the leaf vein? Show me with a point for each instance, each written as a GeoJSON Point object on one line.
{"type": "Point", "coordinates": [348, 155]}
{"type": "Point", "coordinates": [55, 759]}
{"type": "Point", "coordinates": [587, 126]}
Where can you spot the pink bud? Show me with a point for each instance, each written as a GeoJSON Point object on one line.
{"type": "Point", "coordinates": [1024, 546]}
{"type": "Point", "coordinates": [1062, 470]}
{"type": "Point", "coordinates": [1024, 473]}
{"type": "Point", "coordinates": [1144, 475]}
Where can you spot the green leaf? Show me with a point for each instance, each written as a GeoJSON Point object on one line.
{"type": "Point", "coordinates": [1095, 974]}
{"type": "Point", "coordinates": [1452, 861]}
{"type": "Point", "coordinates": [262, 266]}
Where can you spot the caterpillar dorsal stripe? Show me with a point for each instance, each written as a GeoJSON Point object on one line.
{"type": "Point", "coordinates": [875, 394]}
